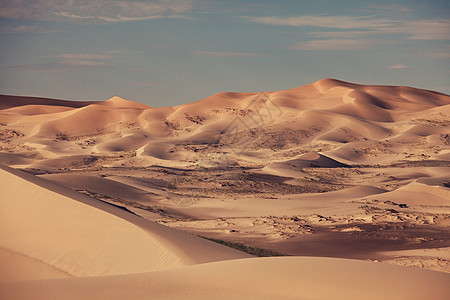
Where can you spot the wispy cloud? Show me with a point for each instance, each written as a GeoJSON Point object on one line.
{"type": "Point", "coordinates": [26, 29]}
{"type": "Point", "coordinates": [425, 29]}
{"type": "Point", "coordinates": [341, 22]}
{"type": "Point", "coordinates": [360, 32]}
{"type": "Point", "coordinates": [356, 27]}
{"type": "Point", "coordinates": [63, 65]}
{"type": "Point", "coordinates": [343, 34]}
{"type": "Point", "coordinates": [229, 54]}
{"type": "Point", "coordinates": [415, 30]}
{"type": "Point", "coordinates": [81, 56]}
{"type": "Point", "coordinates": [70, 62]}
{"type": "Point", "coordinates": [398, 66]}
{"type": "Point", "coordinates": [337, 44]}
{"type": "Point", "coordinates": [94, 11]}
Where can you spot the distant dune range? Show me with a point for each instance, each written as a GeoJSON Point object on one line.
{"type": "Point", "coordinates": [333, 173]}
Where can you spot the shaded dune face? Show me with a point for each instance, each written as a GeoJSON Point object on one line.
{"type": "Point", "coordinates": [7, 102]}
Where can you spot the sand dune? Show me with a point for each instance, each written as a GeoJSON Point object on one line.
{"type": "Point", "coordinates": [330, 169]}
{"type": "Point", "coordinates": [74, 236]}
{"type": "Point", "coordinates": [81, 236]}
{"type": "Point", "coordinates": [321, 113]}
{"type": "Point", "coordinates": [257, 278]}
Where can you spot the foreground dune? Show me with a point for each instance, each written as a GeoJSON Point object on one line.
{"type": "Point", "coordinates": [256, 278]}
{"type": "Point", "coordinates": [52, 232]}
{"type": "Point", "coordinates": [80, 236]}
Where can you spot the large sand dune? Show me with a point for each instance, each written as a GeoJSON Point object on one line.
{"type": "Point", "coordinates": [81, 236]}
{"type": "Point", "coordinates": [330, 169]}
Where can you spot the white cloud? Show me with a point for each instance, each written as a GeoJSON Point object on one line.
{"type": "Point", "coordinates": [357, 33]}
{"type": "Point", "coordinates": [228, 54]}
{"type": "Point", "coordinates": [93, 11]}
{"type": "Point", "coordinates": [415, 30]}
{"type": "Point", "coordinates": [333, 44]}
{"type": "Point", "coordinates": [26, 29]}
{"type": "Point", "coordinates": [81, 56]}
{"type": "Point", "coordinates": [68, 15]}
{"type": "Point", "coordinates": [398, 66]}
{"type": "Point", "coordinates": [425, 29]}
{"type": "Point", "coordinates": [83, 63]}
{"type": "Point", "coordinates": [71, 62]}
{"type": "Point", "coordinates": [343, 34]}
{"type": "Point", "coordinates": [355, 27]}
{"type": "Point", "coordinates": [64, 65]}
{"type": "Point", "coordinates": [341, 22]}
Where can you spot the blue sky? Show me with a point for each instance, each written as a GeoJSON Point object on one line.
{"type": "Point", "coordinates": [171, 52]}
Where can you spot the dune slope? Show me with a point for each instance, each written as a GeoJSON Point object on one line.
{"type": "Point", "coordinates": [256, 278]}
{"type": "Point", "coordinates": [81, 236]}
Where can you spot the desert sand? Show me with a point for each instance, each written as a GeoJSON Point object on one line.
{"type": "Point", "coordinates": [106, 199]}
